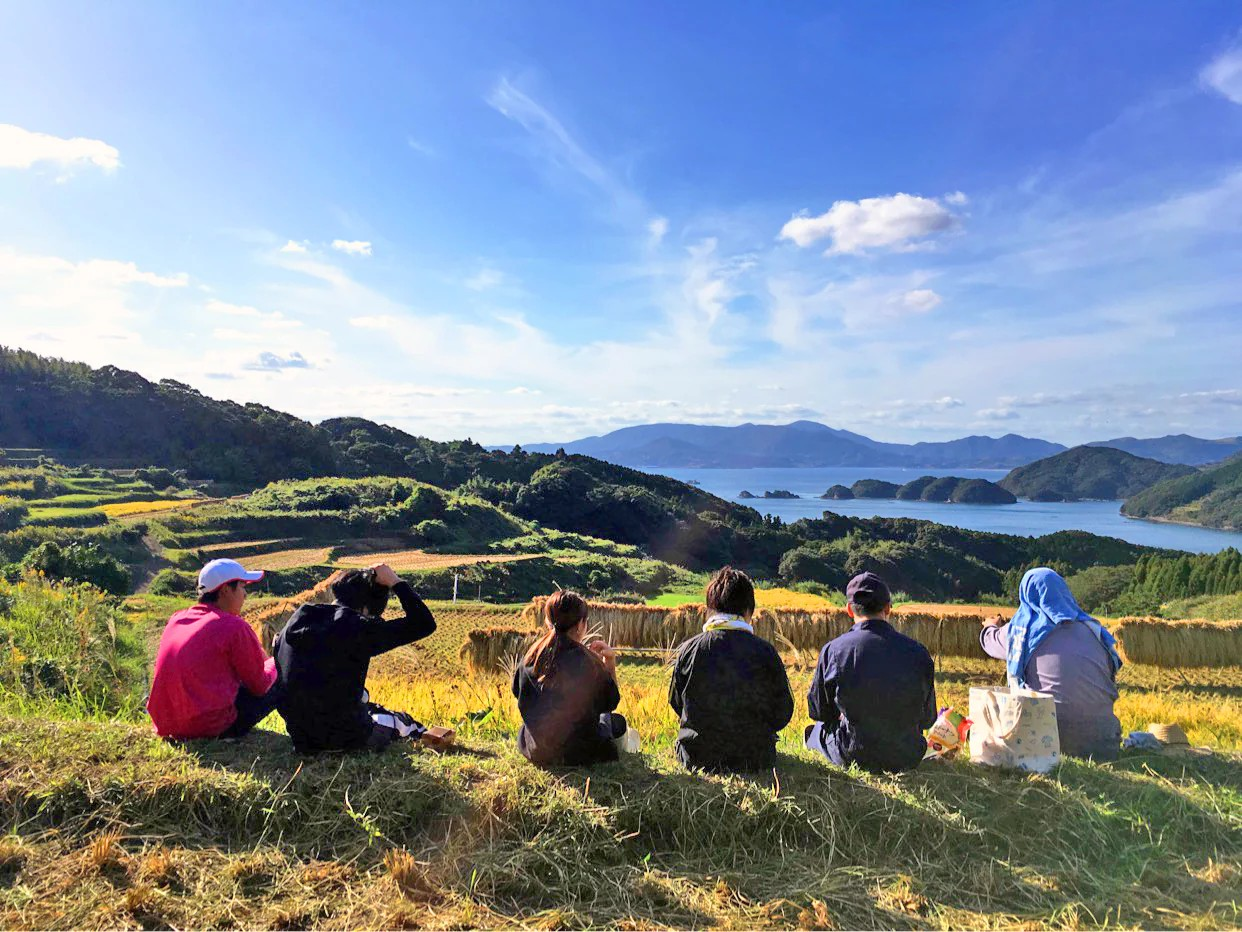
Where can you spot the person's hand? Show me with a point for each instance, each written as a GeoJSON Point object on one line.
{"type": "Point", "coordinates": [384, 575]}
{"type": "Point", "coordinates": [993, 621]}
{"type": "Point", "coordinates": [604, 651]}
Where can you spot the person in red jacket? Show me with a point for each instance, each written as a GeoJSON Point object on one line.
{"type": "Point", "coordinates": [212, 677]}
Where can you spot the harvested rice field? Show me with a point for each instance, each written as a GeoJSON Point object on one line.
{"type": "Point", "coordinates": [403, 560]}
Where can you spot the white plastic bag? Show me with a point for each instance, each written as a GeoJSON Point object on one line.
{"type": "Point", "coordinates": [628, 743]}
{"type": "Point", "coordinates": [1014, 727]}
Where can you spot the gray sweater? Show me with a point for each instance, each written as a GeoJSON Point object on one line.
{"type": "Point", "coordinates": [1074, 666]}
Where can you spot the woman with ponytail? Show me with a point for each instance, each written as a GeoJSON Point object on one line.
{"type": "Point", "coordinates": [566, 691]}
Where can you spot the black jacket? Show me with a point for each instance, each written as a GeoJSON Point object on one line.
{"type": "Point", "coordinates": [560, 716]}
{"type": "Point", "coordinates": [875, 691]}
{"type": "Point", "coordinates": [323, 654]}
{"type": "Point", "coordinates": [732, 695]}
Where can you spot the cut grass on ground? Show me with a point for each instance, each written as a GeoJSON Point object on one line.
{"type": "Point", "coordinates": [114, 828]}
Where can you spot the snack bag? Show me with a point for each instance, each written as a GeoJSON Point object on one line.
{"type": "Point", "coordinates": [947, 734]}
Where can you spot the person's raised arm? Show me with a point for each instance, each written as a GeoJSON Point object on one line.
{"type": "Point", "coordinates": [994, 637]}
{"type": "Point", "coordinates": [416, 623]}
{"type": "Point", "coordinates": [821, 699]}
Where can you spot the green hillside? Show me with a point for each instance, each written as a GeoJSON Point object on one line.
{"type": "Point", "coordinates": [1089, 473]}
{"type": "Point", "coordinates": [1212, 498]}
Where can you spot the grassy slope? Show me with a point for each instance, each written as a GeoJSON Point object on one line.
{"type": "Point", "coordinates": [248, 834]}
{"type": "Point", "coordinates": [245, 833]}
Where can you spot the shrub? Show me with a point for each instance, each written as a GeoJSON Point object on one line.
{"type": "Point", "coordinates": [173, 582]}
{"type": "Point", "coordinates": [79, 562]}
{"type": "Point", "coordinates": [13, 513]}
{"type": "Point", "coordinates": [68, 642]}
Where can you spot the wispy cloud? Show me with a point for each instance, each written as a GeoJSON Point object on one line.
{"type": "Point", "coordinates": [293, 246]}
{"type": "Point", "coordinates": [485, 280]}
{"type": "Point", "coordinates": [1223, 74]}
{"type": "Point", "coordinates": [22, 148]}
{"type": "Point", "coordinates": [559, 147]}
{"type": "Point", "coordinates": [420, 147]}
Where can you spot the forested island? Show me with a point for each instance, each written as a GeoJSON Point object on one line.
{"type": "Point", "coordinates": [948, 489]}
{"type": "Point", "coordinates": [1089, 473]}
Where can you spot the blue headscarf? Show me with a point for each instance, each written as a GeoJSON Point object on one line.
{"type": "Point", "coordinates": [1046, 602]}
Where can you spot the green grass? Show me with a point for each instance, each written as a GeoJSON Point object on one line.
{"type": "Point", "coordinates": [1214, 607]}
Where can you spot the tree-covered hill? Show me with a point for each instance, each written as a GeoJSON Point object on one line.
{"type": "Point", "coordinates": [113, 417]}
{"type": "Point", "coordinates": [1082, 473]}
{"type": "Point", "coordinates": [1212, 498]}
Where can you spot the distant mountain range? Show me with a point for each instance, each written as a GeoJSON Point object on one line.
{"type": "Point", "coordinates": [1177, 448]}
{"type": "Point", "coordinates": [807, 443]}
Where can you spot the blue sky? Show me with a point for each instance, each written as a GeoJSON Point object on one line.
{"type": "Point", "coordinates": [533, 222]}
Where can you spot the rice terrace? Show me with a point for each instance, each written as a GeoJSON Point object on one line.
{"type": "Point", "coordinates": [712, 465]}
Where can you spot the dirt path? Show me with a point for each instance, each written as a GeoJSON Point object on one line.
{"type": "Point", "coordinates": [154, 562]}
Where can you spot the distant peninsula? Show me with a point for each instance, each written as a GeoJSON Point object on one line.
{"type": "Point", "coordinates": [775, 493]}
{"type": "Point", "coordinates": [1211, 498]}
{"type": "Point", "coordinates": [1090, 473]}
{"type": "Point", "coordinates": [948, 489]}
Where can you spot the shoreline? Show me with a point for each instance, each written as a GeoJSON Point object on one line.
{"type": "Point", "coordinates": [1202, 527]}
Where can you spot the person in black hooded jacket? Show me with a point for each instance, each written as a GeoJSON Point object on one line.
{"type": "Point", "coordinates": [324, 652]}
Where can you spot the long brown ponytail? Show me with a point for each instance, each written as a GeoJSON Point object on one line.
{"type": "Point", "coordinates": [563, 612]}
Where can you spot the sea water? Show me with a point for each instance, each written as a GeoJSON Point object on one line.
{"type": "Point", "coordinates": [1031, 519]}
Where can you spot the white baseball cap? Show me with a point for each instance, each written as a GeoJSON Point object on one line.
{"type": "Point", "coordinates": [218, 572]}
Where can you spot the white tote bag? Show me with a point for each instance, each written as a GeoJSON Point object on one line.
{"type": "Point", "coordinates": [1014, 727]}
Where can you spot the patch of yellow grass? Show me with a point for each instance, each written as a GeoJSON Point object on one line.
{"type": "Point", "coordinates": [287, 559]}
{"type": "Point", "coordinates": [401, 560]}
{"type": "Point", "coordinates": [788, 598]}
{"type": "Point", "coordinates": [125, 509]}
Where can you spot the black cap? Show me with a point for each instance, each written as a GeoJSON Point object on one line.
{"type": "Point", "coordinates": [868, 590]}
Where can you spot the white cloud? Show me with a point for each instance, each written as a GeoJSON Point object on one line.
{"type": "Point", "coordinates": [269, 320]}
{"type": "Point", "coordinates": [1224, 74]}
{"type": "Point", "coordinates": [857, 305]}
{"type": "Point", "coordinates": [352, 247]}
{"type": "Point", "coordinates": [957, 199]}
{"type": "Point", "coordinates": [658, 229]}
{"type": "Point", "coordinates": [896, 222]}
{"type": "Point", "coordinates": [272, 362]}
{"type": "Point", "coordinates": [998, 414]}
{"type": "Point", "coordinates": [1224, 396]}
{"type": "Point", "coordinates": [294, 247]}
{"type": "Point", "coordinates": [21, 148]}
{"type": "Point", "coordinates": [921, 300]}
{"type": "Point", "coordinates": [485, 279]}
{"type": "Point", "coordinates": [100, 273]}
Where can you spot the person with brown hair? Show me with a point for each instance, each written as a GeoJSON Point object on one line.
{"type": "Point", "coordinates": [567, 692]}
{"type": "Point", "coordinates": [729, 686]}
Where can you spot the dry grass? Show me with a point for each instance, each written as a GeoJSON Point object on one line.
{"type": "Point", "coordinates": [1180, 643]}
{"type": "Point", "coordinates": [408, 560]}
{"type": "Point", "coordinates": [288, 559]}
{"type": "Point", "coordinates": [946, 631]}
{"type": "Point", "coordinates": [789, 598]}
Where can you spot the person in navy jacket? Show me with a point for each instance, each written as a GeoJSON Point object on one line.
{"type": "Point", "coordinates": [873, 692]}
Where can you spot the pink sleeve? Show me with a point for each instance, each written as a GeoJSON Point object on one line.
{"type": "Point", "coordinates": [255, 669]}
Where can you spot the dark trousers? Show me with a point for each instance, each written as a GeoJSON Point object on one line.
{"type": "Point", "coordinates": [612, 726]}
{"type": "Point", "coordinates": [251, 710]}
